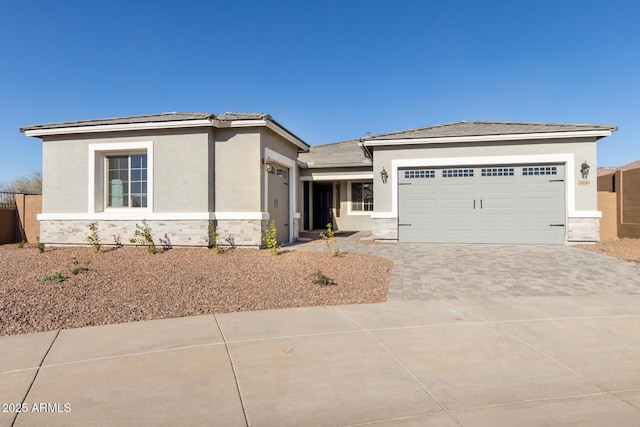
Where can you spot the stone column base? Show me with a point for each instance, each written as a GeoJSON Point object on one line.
{"type": "Point", "coordinates": [583, 230]}
{"type": "Point", "coordinates": [385, 229]}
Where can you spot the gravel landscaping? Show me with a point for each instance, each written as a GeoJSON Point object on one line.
{"type": "Point", "coordinates": [129, 284]}
{"type": "Point", "coordinates": [626, 249]}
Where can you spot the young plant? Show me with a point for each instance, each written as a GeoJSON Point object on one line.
{"type": "Point", "coordinates": [330, 240]}
{"type": "Point", "coordinates": [20, 244]}
{"type": "Point", "coordinates": [319, 278]}
{"type": "Point", "coordinates": [212, 238]}
{"type": "Point", "coordinates": [270, 238]}
{"type": "Point", "coordinates": [142, 236]}
{"type": "Point", "coordinates": [93, 238]}
{"type": "Point", "coordinates": [77, 268]}
{"type": "Point", "coordinates": [54, 276]}
{"type": "Point", "coordinates": [41, 247]}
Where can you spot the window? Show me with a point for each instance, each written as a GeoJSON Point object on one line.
{"type": "Point", "coordinates": [497, 172]}
{"type": "Point", "coordinates": [127, 181]}
{"type": "Point", "coordinates": [362, 196]}
{"type": "Point", "coordinates": [419, 174]}
{"type": "Point", "coordinates": [456, 173]}
{"type": "Point", "coordinates": [540, 170]}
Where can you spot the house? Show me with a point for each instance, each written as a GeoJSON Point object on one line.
{"type": "Point", "coordinates": [471, 182]}
{"type": "Point", "coordinates": [178, 171]}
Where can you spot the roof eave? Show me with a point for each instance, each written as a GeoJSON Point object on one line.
{"type": "Point", "coordinates": [490, 138]}
{"type": "Point", "coordinates": [40, 132]}
{"type": "Point", "coordinates": [313, 165]}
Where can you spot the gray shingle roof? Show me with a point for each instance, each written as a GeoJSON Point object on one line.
{"type": "Point", "coordinates": [149, 118]}
{"type": "Point", "coordinates": [459, 129]}
{"type": "Point", "coordinates": [243, 116]}
{"type": "Point", "coordinates": [164, 117]}
{"type": "Point", "coordinates": [346, 153]}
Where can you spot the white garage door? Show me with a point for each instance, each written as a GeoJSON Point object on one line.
{"type": "Point", "coordinates": [489, 204]}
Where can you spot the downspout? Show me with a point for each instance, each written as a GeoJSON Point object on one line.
{"type": "Point", "coordinates": [368, 154]}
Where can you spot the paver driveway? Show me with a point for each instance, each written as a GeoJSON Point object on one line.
{"type": "Point", "coordinates": [423, 271]}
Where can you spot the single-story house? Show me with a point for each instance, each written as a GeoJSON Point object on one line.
{"type": "Point", "coordinates": [471, 182]}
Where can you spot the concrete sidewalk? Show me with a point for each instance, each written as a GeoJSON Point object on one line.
{"type": "Point", "coordinates": [526, 361]}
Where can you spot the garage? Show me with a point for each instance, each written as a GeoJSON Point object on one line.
{"type": "Point", "coordinates": [482, 204]}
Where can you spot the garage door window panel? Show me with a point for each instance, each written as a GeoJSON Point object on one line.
{"type": "Point", "coordinates": [539, 170]}
{"type": "Point", "coordinates": [457, 173]}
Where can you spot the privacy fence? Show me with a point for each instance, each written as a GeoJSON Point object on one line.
{"type": "Point", "coordinates": [18, 217]}
{"type": "Point", "coordinates": [619, 201]}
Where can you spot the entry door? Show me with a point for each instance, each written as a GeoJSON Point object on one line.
{"type": "Point", "coordinates": [278, 194]}
{"type": "Point", "coordinates": [490, 204]}
{"type": "Point", "coordinates": [322, 204]}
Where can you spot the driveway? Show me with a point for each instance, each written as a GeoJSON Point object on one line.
{"type": "Point", "coordinates": [423, 271]}
{"type": "Point", "coordinates": [480, 336]}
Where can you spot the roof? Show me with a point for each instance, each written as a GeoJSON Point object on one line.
{"type": "Point", "coordinates": [149, 118]}
{"type": "Point", "coordinates": [337, 154]}
{"type": "Point", "coordinates": [159, 121]}
{"type": "Point", "coordinates": [474, 128]}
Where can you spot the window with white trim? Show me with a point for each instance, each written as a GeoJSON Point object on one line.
{"type": "Point", "coordinates": [362, 196]}
{"type": "Point", "coordinates": [126, 181]}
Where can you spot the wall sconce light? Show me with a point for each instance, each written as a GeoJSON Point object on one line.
{"type": "Point", "coordinates": [384, 175]}
{"type": "Point", "coordinates": [267, 163]}
{"type": "Point", "coordinates": [584, 170]}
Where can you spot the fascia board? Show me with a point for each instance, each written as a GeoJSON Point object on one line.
{"type": "Point", "coordinates": [119, 127]}
{"type": "Point", "coordinates": [312, 165]}
{"type": "Point", "coordinates": [489, 138]}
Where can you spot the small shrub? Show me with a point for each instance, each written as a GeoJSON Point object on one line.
{"type": "Point", "coordinates": [77, 268]}
{"type": "Point", "coordinates": [330, 240]}
{"type": "Point", "coordinates": [270, 238]}
{"type": "Point", "coordinates": [41, 247]}
{"type": "Point", "coordinates": [93, 238]}
{"type": "Point", "coordinates": [142, 236]}
{"type": "Point", "coordinates": [54, 276]}
{"type": "Point", "coordinates": [20, 244]}
{"type": "Point", "coordinates": [319, 278]}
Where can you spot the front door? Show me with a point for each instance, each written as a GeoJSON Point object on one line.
{"type": "Point", "coordinates": [322, 204]}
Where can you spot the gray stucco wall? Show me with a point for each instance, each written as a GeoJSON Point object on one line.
{"type": "Point", "coordinates": [347, 221]}
{"type": "Point", "coordinates": [180, 182]}
{"type": "Point", "coordinates": [238, 170]}
{"type": "Point", "coordinates": [65, 169]}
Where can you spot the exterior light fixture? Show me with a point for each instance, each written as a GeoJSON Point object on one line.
{"type": "Point", "coordinates": [267, 163]}
{"type": "Point", "coordinates": [584, 170]}
{"type": "Point", "coordinates": [384, 175]}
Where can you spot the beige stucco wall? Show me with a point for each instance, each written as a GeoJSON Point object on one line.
{"type": "Point", "coordinates": [180, 183]}
{"type": "Point", "coordinates": [581, 149]}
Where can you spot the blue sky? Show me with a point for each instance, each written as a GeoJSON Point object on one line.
{"type": "Point", "coordinates": [326, 70]}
